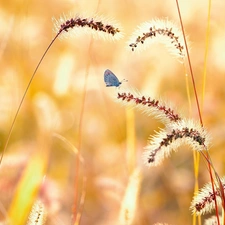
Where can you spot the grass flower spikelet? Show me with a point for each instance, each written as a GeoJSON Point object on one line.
{"type": "Point", "coordinates": [204, 201]}
{"type": "Point", "coordinates": [98, 27]}
{"type": "Point", "coordinates": [38, 214]}
{"type": "Point", "coordinates": [164, 142]}
{"type": "Point", "coordinates": [212, 220]}
{"type": "Point", "coordinates": [149, 106]}
{"type": "Point", "coordinates": [162, 31]}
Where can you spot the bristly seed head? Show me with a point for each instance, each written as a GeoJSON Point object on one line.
{"type": "Point", "coordinates": [150, 105]}
{"type": "Point", "coordinates": [175, 135]}
{"type": "Point", "coordinates": [213, 220]}
{"type": "Point", "coordinates": [164, 142]}
{"type": "Point", "coordinates": [162, 31]}
{"type": "Point", "coordinates": [93, 24]}
{"type": "Point", "coordinates": [96, 25]}
{"type": "Point", "coordinates": [204, 201]}
{"type": "Point", "coordinates": [178, 131]}
{"type": "Point", "coordinates": [38, 214]}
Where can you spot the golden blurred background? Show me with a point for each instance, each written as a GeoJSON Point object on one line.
{"type": "Point", "coordinates": [68, 107]}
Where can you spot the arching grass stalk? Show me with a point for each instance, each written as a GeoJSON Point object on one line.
{"type": "Point", "coordinates": [93, 25]}
{"type": "Point", "coordinates": [23, 97]}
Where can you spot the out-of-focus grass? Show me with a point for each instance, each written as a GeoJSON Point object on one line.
{"type": "Point", "coordinates": [26, 191]}
{"type": "Point", "coordinates": [54, 101]}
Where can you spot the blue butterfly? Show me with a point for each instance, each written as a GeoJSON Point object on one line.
{"type": "Point", "coordinates": [111, 79]}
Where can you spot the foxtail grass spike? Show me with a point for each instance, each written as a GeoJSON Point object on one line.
{"type": "Point", "coordinates": [162, 31]}
{"type": "Point", "coordinates": [149, 106]}
{"type": "Point", "coordinates": [98, 27]}
{"type": "Point", "coordinates": [164, 142]}
{"type": "Point", "coordinates": [204, 201]}
{"type": "Point", "coordinates": [212, 220]}
{"type": "Point", "coordinates": [38, 214]}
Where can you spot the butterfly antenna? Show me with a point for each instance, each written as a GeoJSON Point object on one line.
{"type": "Point", "coordinates": [124, 80]}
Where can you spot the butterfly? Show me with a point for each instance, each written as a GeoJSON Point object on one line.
{"type": "Point", "coordinates": [111, 79]}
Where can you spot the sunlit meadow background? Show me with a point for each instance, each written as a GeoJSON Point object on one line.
{"type": "Point", "coordinates": [54, 106]}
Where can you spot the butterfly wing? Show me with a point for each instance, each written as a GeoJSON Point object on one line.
{"type": "Point", "coordinates": [111, 79]}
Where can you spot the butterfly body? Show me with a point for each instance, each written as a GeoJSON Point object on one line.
{"type": "Point", "coordinates": [111, 79]}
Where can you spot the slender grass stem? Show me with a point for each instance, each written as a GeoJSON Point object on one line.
{"type": "Point", "coordinates": [189, 63]}
{"type": "Point", "coordinates": [206, 53]}
{"type": "Point", "coordinates": [199, 110]}
{"type": "Point", "coordinates": [24, 95]}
